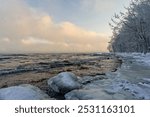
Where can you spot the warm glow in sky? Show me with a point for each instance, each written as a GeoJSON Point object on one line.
{"type": "Point", "coordinates": [56, 25]}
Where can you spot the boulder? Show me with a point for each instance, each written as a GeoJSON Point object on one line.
{"type": "Point", "coordinates": [64, 82]}
{"type": "Point", "coordinates": [22, 92]}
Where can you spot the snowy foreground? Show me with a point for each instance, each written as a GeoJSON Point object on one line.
{"type": "Point", "coordinates": [130, 81]}
{"type": "Point", "coordinates": [133, 78]}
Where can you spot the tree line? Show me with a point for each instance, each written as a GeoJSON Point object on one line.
{"type": "Point", "coordinates": [131, 29]}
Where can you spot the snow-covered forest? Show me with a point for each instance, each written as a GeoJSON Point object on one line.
{"type": "Point", "coordinates": [131, 29]}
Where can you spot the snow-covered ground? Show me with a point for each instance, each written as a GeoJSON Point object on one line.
{"type": "Point", "coordinates": [138, 57]}
{"type": "Point", "coordinates": [131, 81]}
{"type": "Point", "coordinates": [133, 77]}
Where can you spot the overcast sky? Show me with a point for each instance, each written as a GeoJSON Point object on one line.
{"type": "Point", "coordinates": [29, 26]}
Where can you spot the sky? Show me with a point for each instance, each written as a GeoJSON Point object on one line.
{"type": "Point", "coordinates": [55, 26]}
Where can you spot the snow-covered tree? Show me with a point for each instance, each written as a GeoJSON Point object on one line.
{"type": "Point", "coordinates": [131, 29]}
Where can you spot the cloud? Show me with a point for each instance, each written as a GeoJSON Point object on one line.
{"type": "Point", "coordinates": [33, 40]}
{"type": "Point", "coordinates": [25, 30]}
{"type": "Point", "coordinates": [98, 5]}
{"type": "Point", "coordinates": [7, 40]}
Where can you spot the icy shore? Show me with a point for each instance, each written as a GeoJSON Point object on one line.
{"type": "Point", "coordinates": [130, 81]}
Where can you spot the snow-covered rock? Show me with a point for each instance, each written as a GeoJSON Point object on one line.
{"type": "Point", "coordinates": [22, 92]}
{"type": "Point", "coordinates": [93, 94]}
{"type": "Point", "coordinates": [64, 82]}
{"type": "Point", "coordinates": [87, 94]}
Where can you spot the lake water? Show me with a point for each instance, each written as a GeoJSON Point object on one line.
{"type": "Point", "coordinates": [35, 69]}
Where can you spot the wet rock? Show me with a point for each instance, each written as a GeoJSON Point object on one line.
{"type": "Point", "coordinates": [22, 92]}
{"type": "Point", "coordinates": [64, 82]}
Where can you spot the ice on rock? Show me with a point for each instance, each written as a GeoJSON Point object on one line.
{"type": "Point", "coordinates": [64, 82]}
{"type": "Point", "coordinates": [22, 92]}
{"type": "Point", "coordinates": [88, 94]}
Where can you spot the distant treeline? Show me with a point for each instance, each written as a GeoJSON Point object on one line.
{"type": "Point", "coordinates": [131, 29]}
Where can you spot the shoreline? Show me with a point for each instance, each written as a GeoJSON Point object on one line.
{"type": "Point", "coordinates": [80, 64]}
